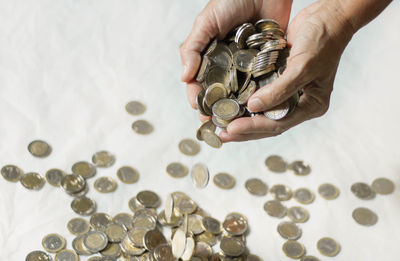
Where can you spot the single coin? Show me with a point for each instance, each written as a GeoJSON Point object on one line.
{"type": "Point", "coordinates": [11, 173]}
{"type": "Point", "coordinates": [78, 246]}
{"type": "Point", "coordinates": [78, 226]}
{"type": "Point", "coordinates": [39, 148]}
{"type": "Point", "coordinates": [189, 249]}
{"type": "Point", "coordinates": [215, 92]}
{"type": "Point", "coordinates": [299, 168]}
{"type": "Point", "coordinates": [383, 186]}
{"type": "Point", "coordinates": [186, 206]}
{"type": "Point", "coordinates": [218, 75]}
{"type": "Point", "coordinates": [243, 59]}
{"type": "Point", "coordinates": [153, 238]}
{"type": "Point", "coordinates": [328, 247]}
{"type": "Point", "coordinates": [148, 199]}
{"type": "Point", "coordinates": [232, 246]}
{"type": "Point", "coordinates": [362, 191]}
{"type": "Point", "coordinates": [38, 256]}
{"type": "Point", "coordinates": [298, 214]}
{"type": "Point", "coordinates": [103, 159]}
{"type": "Point", "coordinates": [226, 109]}
{"type": "Point", "coordinates": [281, 192]}
{"type": "Point", "coordinates": [73, 183]}
{"type": "Point", "coordinates": [189, 147]}
{"type": "Point", "coordinates": [105, 185]}
{"type": "Point", "coordinates": [365, 216]}
{"type": "Point", "coordinates": [309, 258]}
{"type": "Point", "coordinates": [212, 139]}
{"type": "Point", "coordinates": [200, 175]}
{"type": "Point", "coordinates": [111, 252]}
{"type": "Point", "coordinates": [95, 241]}
{"type": "Point", "coordinates": [274, 208]}
{"type": "Point", "coordinates": [135, 108]}
{"type": "Point", "coordinates": [212, 225]}
{"type": "Point", "coordinates": [100, 221]}
{"type": "Point", "coordinates": [177, 170]}
{"type": "Point", "coordinates": [289, 230]}
{"type": "Point", "coordinates": [328, 191]}
{"type": "Point", "coordinates": [83, 206]}
{"type": "Point", "coordinates": [128, 175]}
{"type": "Point", "coordinates": [178, 243]}
{"type": "Point", "coordinates": [293, 249]}
{"type": "Point", "coordinates": [205, 125]}
{"type": "Point", "coordinates": [54, 177]}
{"type": "Point", "coordinates": [235, 224]}
{"type": "Point", "coordinates": [142, 127]}
{"type": "Point", "coordinates": [66, 255]}
{"type": "Point", "coordinates": [129, 248]}
{"type": "Point", "coordinates": [195, 224]}
{"type": "Point", "coordinates": [224, 180]}
{"type": "Point", "coordinates": [163, 253]}
{"type": "Point", "coordinates": [256, 187]}
{"type": "Point", "coordinates": [304, 195]}
{"type": "Point", "coordinates": [124, 219]}
{"type": "Point", "coordinates": [32, 181]}
{"type": "Point", "coordinates": [84, 169]}
{"type": "Point", "coordinates": [276, 163]}
{"type": "Point", "coordinates": [53, 243]}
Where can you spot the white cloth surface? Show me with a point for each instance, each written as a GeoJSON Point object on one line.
{"type": "Point", "coordinates": [67, 69]}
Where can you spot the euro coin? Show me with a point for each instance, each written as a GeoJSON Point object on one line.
{"type": "Point", "coordinates": [226, 109]}
{"type": "Point", "coordinates": [142, 127]}
{"type": "Point", "coordinates": [362, 191]}
{"type": "Point", "coordinates": [232, 246]}
{"type": "Point", "coordinates": [212, 225]}
{"type": "Point", "coordinates": [224, 180]}
{"type": "Point", "coordinates": [299, 168]}
{"type": "Point", "coordinates": [54, 177]}
{"type": "Point", "coordinates": [83, 206]}
{"type": "Point", "coordinates": [274, 208]}
{"type": "Point", "coordinates": [328, 247]}
{"type": "Point", "coordinates": [278, 112]}
{"type": "Point", "coordinates": [32, 181]}
{"type": "Point", "coordinates": [304, 195]}
{"type": "Point", "coordinates": [105, 185]}
{"type": "Point", "coordinates": [189, 147]}
{"type": "Point", "coordinates": [276, 164]}
{"type": "Point", "coordinates": [383, 186]}
{"type": "Point", "coordinates": [298, 214]}
{"type": "Point", "coordinates": [365, 216]}
{"type": "Point", "coordinates": [103, 159]}
{"type": "Point", "coordinates": [309, 258]}
{"type": "Point", "coordinates": [289, 230]}
{"type": "Point", "coordinates": [128, 175]}
{"type": "Point", "coordinates": [200, 175]}
{"type": "Point", "coordinates": [100, 221]}
{"type": "Point", "coordinates": [39, 148]}
{"type": "Point", "coordinates": [293, 249]}
{"type": "Point", "coordinates": [38, 256]}
{"type": "Point", "coordinates": [177, 170]}
{"type": "Point", "coordinates": [135, 108]}
{"type": "Point", "coordinates": [66, 255]}
{"type": "Point", "coordinates": [53, 243]}
{"type": "Point", "coordinates": [84, 169]}
{"type": "Point", "coordinates": [78, 226]}
{"type": "Point", "coordinates": [153, 238]}
{"type": "Point", "coordinates": [73, 183]}
{"type": "Point", "coordinates": [256, 187]}
{"type": "Point", "coordinates": [95, 241]}
{"type": "Point", "coordinates": [281, 192]}
{"type": "Point", "coordinates": [205, 125]}
{"type": "Point", "coordinates": [328, 191]}
{"type": "Point", "coordinates": [11, 173]}
{"type": "Point", "coordinates": [212, 139]}
{"type": "Point", "coordinates": [148, 199]}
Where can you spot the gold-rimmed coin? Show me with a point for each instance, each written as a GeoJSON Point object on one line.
{"type": "Point", "coordinates": [293, 249]}
{"type": "Point", "coordinates": [148, 199]}
{"type": "Point", "coordinates": [203, 69]}
{"type": "Point", "coordinates": [163, 252]}
{"type": "Point", "coordinates": [216, 74]}
{"type": "Point", "coordinates": [73, 183]}
{"type": "Point", "coordinates": [298, 214]}
{"type": "Point", "coordinates": [54, 177]}
{"type": "Point", "coordinates": [39, 148]}
{"type": "Point", "coordinates": [135, 108]}
{"type": "Point", "coordinates": [78, 246]}
{"type": "Point", "coordinates": [195, 225]}
{"type": "Point", "coordinates": [224, 180]}
{"type": "Point", "coordinates": [232, 246]}
{"type": "Point", "coordinates": [103, 159]}
{"type": "Point", "coordinates": [328, 191]}
{"type": "Point", "coordinates": [256, 187]}
{"type": "Point", "coordinates": [365, 216]}
{"type": "Point", "coordinates": [66, 255]}
{"type": "Point", "coordinates": [111, 252]}
{"type": "Point", "coordinates": [84, 169]}
{"type": "Point", "coordinates": [205, 125]}
{"type": "Point", "coordinates": [200, 175]}
{"type": "Point", "coordinates": [11, 173]}
{"type": "Point", "coordinates": [38, 255]}
{"type": "Point", "coordinates": [83, 206]}
{"type": "Point", "coordinates": [215, 92]}
{"type": "Point", "coordinates": [276, 164]}
{"type": "Point", "coordinates": [328, 247]}
{"type": "Point", "coordinates": [153, 238]}
{"type": "Point", "coordinates": [212, 225]}
{"type": "Point", "coordinates": [281, 192]}
{"type": "Point", "coordinates": [142, 127]}
{"type": "Point", "coordinates": [243, 59]}
{"type": "Point", "coordinates": [95, 241]}
{"type": "Point", "coordinates": [128, 175]}
{"type": "Point", "coordinates": [186, 206]}
{"type": "Point", "coordinates": [235, 224]}
{"type": "Point", "coordinates": [274, 208]}
{"type": "Point", "coordinates": [362, 191]}
{"type": "Point", "coordinates": [100, 221]}
{"type": "Point", "coordinates": [289, 230]}
{"type": "Point", "coordinates": [383, 186]}
{"type": "Point", "coordinates": [212, 139]}
{"type": "Point", "coordinates": [124, 219]}
{"type": "Point", "coordinates": [243, 32]}
{"type": "Point", "coordinates": [53, 243]}
{"type": "Point", "coordinates": [177, 170]}
{"type": "Point", "coordinates": [129, 248]}
{"type": "Point", "coordinates": [78, 226]}
{"type": "Point", "coordinates": [105, 185]}
{"type": "Point", "coordinates": [245, 94]}
{"type": "Point", "coordinates": [189, 147]}
{"type": "Point", "coordinates": [278, 112]}
{"type": "Point", "coordinates": [299, 168]}
{"type": "Point", "coordinates": [226, 109]}
{"type": "Point", "coordinates": [32, 181]}
{"type": "Point", "coordinates": [304, 195]}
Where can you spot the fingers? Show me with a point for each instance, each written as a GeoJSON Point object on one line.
{"type": "Point", "coordinates": [226, 137]}
{"type": "Point", "coordinates": [192, 89]}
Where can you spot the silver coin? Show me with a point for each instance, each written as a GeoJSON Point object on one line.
{"type": "Point", "coordinates": [226, 109]}
{"type": "Point", "coordinates": [128, 175]}
{"type": "Point", "coordinates": [362, 190]}
{"type": "Point", "coordinates": [365, 216]}
{"type": "Point", "coordinates": [11, 173]}
{"type": "Point", "coordinates": [142, 127]}
{"type": "Point", "coordinates": [304, 195]}
{"type": "Point", "coordinates": [189, 147]}
{"type": "Point", "coordinates": [177, 170]}
{"type": "Point", "coordinates": [78, 226]}
{"type": "Point", "coordinates": [281, 192]}
{"type": "Point", "coordinates": [53, 243]}
{"type": "Point", "coordinates": [135, 108]}
{"type": "Point", "coordinates": [274, 208]}
{"type": "Point", "coordinates": [103, 159]}
{"type": "Point", "coordinates": [298, 214]}
{"type": "Point", "coordinates": [328, 247]}
{"type": "Point", "coordinates": [278, 112]}
{"type": "Point", "coordinates": [54, 177]}
{"type": "Point", "coordinates": [328, 191]}
{"type": "Point", "coordinates": [383, 186]}
{"type": "Point", "coordinates": [289, 230]}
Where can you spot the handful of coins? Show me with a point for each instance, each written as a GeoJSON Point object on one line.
{"type": "Point", "coordinates": [250, 57]}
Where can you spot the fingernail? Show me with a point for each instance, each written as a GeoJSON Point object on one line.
{"type": "Point", "coordinates": [256, 105]}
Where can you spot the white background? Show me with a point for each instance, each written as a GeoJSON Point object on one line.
{"type": "Point", "coordinates": [67, 69]}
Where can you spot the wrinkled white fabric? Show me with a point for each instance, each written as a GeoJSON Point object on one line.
{"type": "Point", "coordinates": [67, 69]}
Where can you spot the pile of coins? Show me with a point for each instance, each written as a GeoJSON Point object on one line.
{"type": "Point", "coordinates": [231, 70]}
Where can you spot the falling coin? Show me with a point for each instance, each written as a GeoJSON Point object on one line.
{"type": "Point", "coordinates": [11, 173]}
{"type": "Point", "coordinates": [53, 243]}
{"type": "Point", "coordinates": [205, 125]}
{"type": "Point", "coordinates": [293, 249]}
{"type": "Point", "coordinates": [362, 191]}
{"type": "Point", "coordinates": [83, 206]}
{"type": "Point", "coordinates": [39, 148]}
{"type": "Point", "coordinates": [212, 139]}
{"type": "Point", "coordinates": [135, 108]}
{"type": "Point", "coordinates": [105, 185]}
{"type": "Point", "coordinates": [177, 170]}
{"type": "Point", "coordinates": [281, 192]}
{"type": "Point", "coordinates": [224, 180]}
{"type": "Point", "coordinates": [84, 169]}
{"type": "Point", "coordinates": [365, 216]}
{"type": "Point", "coordinates": [328, 191]}
{"type": "Point", "coordinates": [124, 219]}
{"type": "Point", "coordinates": [275, 163]}
{"type": "Point", "coordinates": [38, 256]}
{"type": "Point", "coordinates": [178, 243]}
{"type": "Point", "coordinates": [78, 226]}
{"type": "Point", "coordinates": [256, 187]}
{"type": "Point", "coordinates": [142, 127]}
{"type": "Point", "coordinates": [304, 196]}
{"type": "Point", "coordinates": [54, 177]}
{"type": "Point", "coordinates": [103, 159]}
{"type": "Point", "coordinates": [383, 186]}
{"type": "Point", "coordinates": [200, 175]}
{"type": "Point", "coordinates": [274, 208]}
{"type": "Point", "coordinates": [328, 247]}
{"type": "Point", "coordinates": [128, 175]}
{"type": "Point", "coordinates": [189, 147]}
{"type": "Point", "coordinates": [298, 214]}
{"type": "Point", "coordinates": [32, 181]}
{"type": "Point", "coordinates": [289, 230]}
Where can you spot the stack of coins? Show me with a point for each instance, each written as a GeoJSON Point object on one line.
{"type": "Point", "coordinates": [250, 57]}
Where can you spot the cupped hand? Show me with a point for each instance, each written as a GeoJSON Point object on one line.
{"type": "Point", "coordinates": [317, 36]}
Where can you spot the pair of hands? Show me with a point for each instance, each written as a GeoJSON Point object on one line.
{"type": "Point", "coordinates": [317, 36]}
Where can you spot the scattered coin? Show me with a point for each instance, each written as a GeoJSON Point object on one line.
{"type": "Point", "coordinates": [211, 139]}
{"type": "Point", "coordinates": [39, 148]}
{"type": "Point", "coordinates": [362, 191]}
{"type": "Point", "coordinates": [135, 108]}
{"type": "Point", "coordinates": [235, 224]}
{"type": "Point", "coordinates": [309, 258]}
{"type": "Point", "coordinates": [11, 173]}
{"type": "Point", "coordinates": [212, 225]}
{"type": "Point", "coordinates": [189, 147]}
{"type": "Point", "coordinates": [128, 175]}
{"type": "Point", "coordinates": [153, 238]}
{"type": "Point", "coordinates": [111, 252]}
{"type": "Point", "coordinates": [103, 159]}
{"type": "Point", "coordinates": [100, 221]}
{"type": "Point", "coordinates": [205, 125]}
{"type": "Point", "coordinates": [95, 241]}
{"type": "Point", "coordinates": [148, 199]}
{"type": "Point", "coordinates": [256, 187]}
{"type": "Point", "coordinates": [32, 181]}
{"type": "Point", "coordinates": [73, 183]}
{"type": "Point", "coordinates": [78, 226]}
{"type": "Point", "coordinates": [293, 249]}
{"type": "Point", "coordinates": [281, 192]}
{"type": "Point", "coordinates": [66, 255]}
{"type": "Point", "coordinates": [79, 247]}
{"type": "Point", "coordinates": [178, 243]}
{"type": "Point", "coordinates": [38, 256]}
{"type": "Point", "coordinates": [54, 177]}
{"type": "Point", "coordinates": [274, 208]}
{"type": "Point", "coordinates": [142, 127]}
{"type": "Point", "coordinates": [163, 252]}
{"type": "Point", "coordinates": [105, 185]}
{"type": "Point", "coordinates": [276, 164]}
{"type": "Point", "coordinates": [383, 186]}
{"type": "Point", "coordinates": [232, 246]}
{"type": "Point", "coordinates": [365, 216]}
{"type": "Point", "coordinates": [84, 169]}
{"type": "Point", "coordinates": [124, 219]}
{"type": "Point", "coordinates": [224, 180]}
{"type": "Point", "coordinates": [299, 168]}
{"type": "Point", "coordinates": [298, 214]}
{"type": "Point", "coordinates": [289, 230]}
{"type": "Point", "coordinates": [83, 206]}
{"type": "Point", "coordinates": [328, 191]}
{"type": "Point", "coordinates": [177, 170]}
{"type": "Point", "coordinates": [186, 206]}
{"type": "Point", "coordinates": [304, 195]}
{"type": "Point", "coordinates": [189, 249]}
{"type": "Point", "coordinates": [53, 243]}
{"type": "Point", "coordinates": [200, 175]}
{"type": "Point", "coordinates": [328, 247]}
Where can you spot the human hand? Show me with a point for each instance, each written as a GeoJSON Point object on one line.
{"type": "Point", "coordinates": [216, 20]}
{"type": "Point", "coordinates": [318, 35]}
